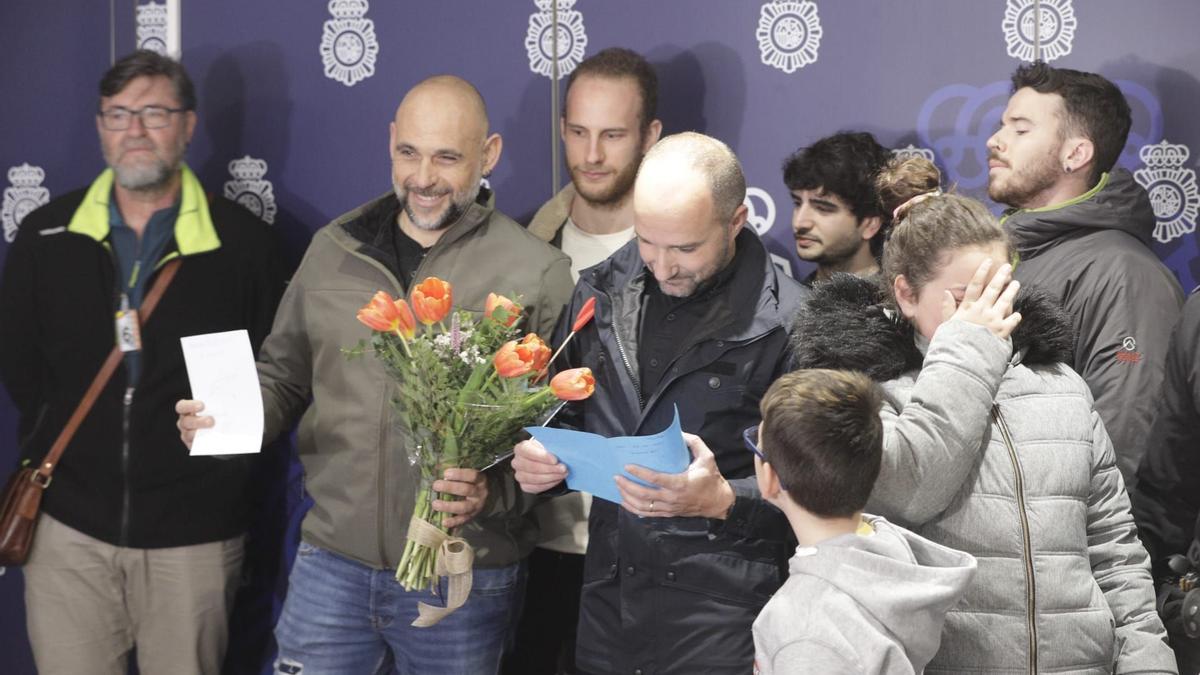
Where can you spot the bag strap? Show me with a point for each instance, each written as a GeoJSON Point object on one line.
{"type": "Point", "coordinates": [42, 475]}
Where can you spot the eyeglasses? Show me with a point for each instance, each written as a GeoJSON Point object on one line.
{"type": "Point", "coordinates": [152, 117]}
{"type": "Point", "coordinates": [749, 437]}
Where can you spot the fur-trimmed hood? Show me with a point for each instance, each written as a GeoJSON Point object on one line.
{"type": "Point", "coordinates": [848, 325]}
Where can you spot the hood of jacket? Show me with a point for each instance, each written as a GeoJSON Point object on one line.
{"type": "Point", "coordinates": [848, 324]}
{"type": "Point", "coordinates": [901, 580]}
{"type": "Point", "coordinates": [1116, 203]}
{"type": "Point", "coordinates": [553, 215]}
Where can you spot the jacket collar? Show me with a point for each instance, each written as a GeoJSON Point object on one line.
{"type": "Point", "coordinates": [747, 307]}
{"type": "Point", "coordinates": [848, 325]}
{"type": "Point", "coordinates": [553, 215]}
{"type": "Point", "coordinates": [194, 230]}
{"type": "Point", "coordinates": [364, 222]}
{"type": "Point", "coordinates": [1117, 202]}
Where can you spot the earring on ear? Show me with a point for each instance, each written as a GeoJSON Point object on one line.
{"type": "Point", "coordinates": [1066, 168]}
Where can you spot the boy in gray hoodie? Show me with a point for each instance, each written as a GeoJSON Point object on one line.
{"type": "Point", "coordinates": [864, 595]}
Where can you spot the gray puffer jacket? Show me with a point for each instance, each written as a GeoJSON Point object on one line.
{"type": "Point", "coordinates": [994, 448]}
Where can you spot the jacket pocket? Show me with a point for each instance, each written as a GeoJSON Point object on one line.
{"type": "Point", "coordinates": [726, 577]}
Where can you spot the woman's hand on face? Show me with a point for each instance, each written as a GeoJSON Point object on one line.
{"type": "Point", "coordinates": [987, 304]}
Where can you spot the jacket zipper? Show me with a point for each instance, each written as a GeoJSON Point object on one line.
{"type": "Point", "coordinates": [637, 387]}
{"type": "Point", "coordinates": [381, 463]}
{"type": "Point", "coordinates": [127, 406]}
{"type": "Point", "coordinates": [1030, 589]}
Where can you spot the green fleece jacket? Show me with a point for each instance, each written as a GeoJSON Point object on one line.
{"type": "Point", "coordinates": [350, 442]}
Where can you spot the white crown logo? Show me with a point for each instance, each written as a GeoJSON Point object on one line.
{"type": "Point", "coordinates": [26, 176]}
{"type": "Point", "coordinates": [248, 168]}
{"type": "Point", "coordinates": [911, 151]}
{"type": "Point", "coordinates": [1164, 154]}
{"type": "Point", "coordinates": [548, 5]}
{"type": "Point", "coordinates": [347, 9]}
{"type": "Point", "coordinates": [152, 15]}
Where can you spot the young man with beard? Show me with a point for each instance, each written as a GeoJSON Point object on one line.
{"type": "Point", "coordinates": [693, 316]}
{"type": "Point", "coordinates": [138, 545]}
{"type": "Point", "coordinates": [836, 216]}
{"type": "Point", "coordinates": [608, 124]}
{"type": "Point", "coordinates": [345, 612]}
{"type": "Point", "coordinates": [1082, 231]}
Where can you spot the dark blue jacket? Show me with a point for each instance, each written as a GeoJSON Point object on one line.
{"type": "Point", "coordinates": [679, 595]}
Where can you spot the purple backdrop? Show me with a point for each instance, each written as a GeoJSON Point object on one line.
{"type": "Point", "coordinates": [302, 94]}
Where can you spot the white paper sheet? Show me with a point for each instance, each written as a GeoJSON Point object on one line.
{"type": "Point", "coordinates": [221, 369]}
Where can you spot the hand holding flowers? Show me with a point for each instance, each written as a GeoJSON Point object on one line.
{"type": "Point", "coordinates": [463, 393]}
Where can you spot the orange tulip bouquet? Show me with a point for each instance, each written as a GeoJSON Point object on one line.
{"type": "Point", "coordinates": [466, 387]}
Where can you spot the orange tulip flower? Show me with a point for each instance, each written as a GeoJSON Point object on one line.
{"type": "Point", "coordinates": [575, 384]}
{"type": "Point", "coordinates": [388, 315]}
{"type": "Point", "coordinates": [515, 359]}
{"type": "Point", "coordinates": [501, 310]}
{"type": "Point", "coordinates": [431, 300]}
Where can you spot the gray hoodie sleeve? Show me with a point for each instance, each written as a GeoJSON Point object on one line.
{"type": "Point", "coordinates": [810, 656]}
{"type": "Point", "coordinates": [934, 440]}
{"type": "Point", "coordinates": [1121, 567]}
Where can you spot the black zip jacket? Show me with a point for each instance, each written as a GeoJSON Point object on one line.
{"type": "Point", "coordinates": [679, 595]}
{"type": "Point", "coordinates": [1166, 503]}
{"type": "Point", "coordinates": [126, 478]}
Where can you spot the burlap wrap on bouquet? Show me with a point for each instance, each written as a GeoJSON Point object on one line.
{"type": "Point", "coordinates": [455, 559]}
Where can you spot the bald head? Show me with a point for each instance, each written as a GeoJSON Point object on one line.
{"type": "Point", "coordinates": [447, 95]}
{"type": "Point", "coordinates": [440, 150]}
{"type": "Point", "coordinates": [687, 211]}
{"type": "Point", "coordinates": [689, 160]}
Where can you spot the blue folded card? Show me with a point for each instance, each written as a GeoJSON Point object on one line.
{"type": "Point", "coordinates": [592, 460]}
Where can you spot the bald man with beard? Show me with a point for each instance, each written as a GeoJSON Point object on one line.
{"type": "Point", "coordinates": [345, 612]}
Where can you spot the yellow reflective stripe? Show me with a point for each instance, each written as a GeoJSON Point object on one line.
{"type": "Point", "coordinates": [91, 218]}
{"type": "Point", "coordinates": [194, 230]}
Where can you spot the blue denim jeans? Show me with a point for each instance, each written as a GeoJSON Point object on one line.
{"type": "Point", "coordinates": [341, 616]}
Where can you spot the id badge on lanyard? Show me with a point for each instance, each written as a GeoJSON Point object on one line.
{"type": "Point", "coordinates": [129, 336]}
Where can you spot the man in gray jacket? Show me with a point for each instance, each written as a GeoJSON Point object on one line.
{"type": "Point", "coordinates": [345, 612]}
{"type": "Point", "coordinates": [1082, 231]}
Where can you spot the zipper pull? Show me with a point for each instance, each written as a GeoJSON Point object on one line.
{"type": "Point", "coordinates": [128, 395]}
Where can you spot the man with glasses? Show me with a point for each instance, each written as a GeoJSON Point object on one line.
{"type": "Point", "coordinates": [691, 315]}
{"type": "Point", "coordinates": [138, 543]}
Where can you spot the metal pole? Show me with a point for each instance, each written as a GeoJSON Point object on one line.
{"type": "Point", "coordinates": [1037, 30]}
{"type": "Point", "coordinates": [554, 112]}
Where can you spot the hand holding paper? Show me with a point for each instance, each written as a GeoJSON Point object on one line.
{"type": "Point", "coordinates": [221, 370]}
{"type": "Point", "coordinates": [592, 460]}
{"type": "Point", "coordinates": [701, 490]}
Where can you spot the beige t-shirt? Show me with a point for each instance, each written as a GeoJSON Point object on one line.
{"type": "Point", "coordinates": [563, 520]}
{"type": "Point", "coordinates": [586, 249]}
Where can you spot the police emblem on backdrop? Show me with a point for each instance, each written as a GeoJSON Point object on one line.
{"type": "Point", "coordinates": [348, 44]}
{"type": "Point", "coordinates": [543, 33]}
{"type": "Point", "coordinates": [1172, 188]}
{"type": "Point", "coordinates": [789, 34]}
{"type": "Point", "coordinates": [1055, 22]}
{"type": "Point", "coordinates": [760, 221]}
{"type": "Point", "coordinates": [911, 151]}
{"type": "Point", "coordinates": [152, 27]}
{"type": "Point", "coordinates": [25, 194]}
{"type": "Point", "coordinates": [249, 189]}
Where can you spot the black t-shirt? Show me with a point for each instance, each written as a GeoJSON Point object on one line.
{"type": "Point", "coordinates": [409, 255]}
{"type": "Point", "coordinates": [667, 321]}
